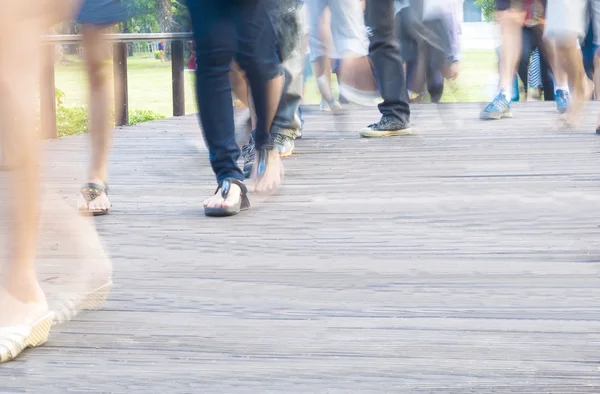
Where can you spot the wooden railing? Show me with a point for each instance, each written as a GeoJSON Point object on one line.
{"type": "Point", "coordinates": [48, 88]}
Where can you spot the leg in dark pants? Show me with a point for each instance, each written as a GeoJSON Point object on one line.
{"type": "Point", "coordinates": [547, 81]}
{"type": "Point", "coordinates": [257, 55]}
{"type": "Point", "coordinates": [223, 30]}
{"type": "Point", "coordinates": [216, 42]}
{"type": "Point", "coordinates": [385, 55]}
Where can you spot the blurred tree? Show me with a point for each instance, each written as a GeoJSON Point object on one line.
{"type": "Point", "coordinates": [488, 7]}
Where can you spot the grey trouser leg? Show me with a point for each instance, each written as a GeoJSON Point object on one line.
{"type": "Point", "coordinates": [287, 118]}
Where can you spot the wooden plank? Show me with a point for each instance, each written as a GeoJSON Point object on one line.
{"type": "Point", "coordinates": [120, 81]}
{"type": "Point", "coordinates": [453, 260]}
{"type": "Point", "coordinates": [177, 67]}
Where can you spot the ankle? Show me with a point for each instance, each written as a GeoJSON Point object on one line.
{"type": "Point", "coordinates": [97, 177]}
{"type": "Point", "coordinates": [23, 287]}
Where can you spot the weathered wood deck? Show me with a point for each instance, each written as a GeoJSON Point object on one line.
{"type": "Point", "coordinates": [459, 259]}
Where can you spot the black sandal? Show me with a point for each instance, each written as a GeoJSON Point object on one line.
{"type": "Point", "coordinates": [89, 192]}
{"type": "Point", "coordinates": [242, 204]}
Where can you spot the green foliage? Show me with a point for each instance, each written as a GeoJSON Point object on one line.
{"type": "Point", "coordinates": [488, 7]}
{"type": "Point", "coordinates": [143, 115]}
{"type": "Point", "coordinates": [60, 96]}
{"type": "Point", "coordinates": [71, 120]}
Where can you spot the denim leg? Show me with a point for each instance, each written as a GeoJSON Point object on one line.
{"type": "Point", "coordinates": [257, 55]}
{"type": "Point", "coordinates": [287, 119]}
{"type": "Point", "coordinates": [385, 54]}
{"type": "Point", "coordinates": [215, 37]}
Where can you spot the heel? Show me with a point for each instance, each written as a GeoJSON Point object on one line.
{"type": "Point", "coordinates": [40, 331]}
{"type": "Point", "coordinates": [97, 298]}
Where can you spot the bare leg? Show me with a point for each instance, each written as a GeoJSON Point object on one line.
{"type": "Point", "coordinates": [21, 299]}
{"type": "Point", "coordinates": [99, 68]}
{"type": "Point", "coordinates": [273, 175]}
{"type": "Point", "coordinates": [597, 76]}
{"type": "Point", "coordinates": [510, 22]}
{"type": "Point", "coordinates": [356, 71]}
{"type": "Point", "coordinates": [572, 62]}
{"type": "Point", "coordinates": [322, 70]}
{"type": "Point", "coordinates": [246, 122]}
{"type": "Point", "coordinates": [561, 79]}
{"type": "Point", "coordinates": [22, 302]}
{"type": "Point", "coordinates": [322, 64]}
{"type": "Point", "coordinates": [239, 85]}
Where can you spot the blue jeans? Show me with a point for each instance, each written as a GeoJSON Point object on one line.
{"type": "Point", "coordinates": [223, 31]}
{"type": "Point", "coordinates": [288, 118]}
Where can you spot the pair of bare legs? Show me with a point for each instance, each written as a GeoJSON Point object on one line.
{"type": "Point", "coordinates": [25, 318]}
{"type": "Point", "coordinates": [97, 53]}
{"type": "Point", "coordinates": [511, 24]}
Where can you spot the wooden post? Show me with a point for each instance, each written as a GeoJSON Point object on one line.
{"type": "Point", "coordinates": [121, 90]}
{"type": "Point", "coordinates": [177, 67]}
{"type": "Point", "coordinates": [48, 93]}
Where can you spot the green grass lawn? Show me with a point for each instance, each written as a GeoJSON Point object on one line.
{"type": "Point", "coordinates": [149, 85]}
{"type": "Point", "coordinates": [476, 71]}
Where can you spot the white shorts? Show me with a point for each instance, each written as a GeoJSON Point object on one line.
{"type": "Point", "coordinates": [347, 28]}
{"type": "Point", "coordinates": [569, 18]}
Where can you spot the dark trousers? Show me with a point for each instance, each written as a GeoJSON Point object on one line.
{"type": "Point", "coordinates": [426, 48]}
{"type": "Point", "coordinates": [223, 31]}
{"type": "Point", "coordinates": [532, 39]}
{"type": "Point", "coordinates": [384, 52]}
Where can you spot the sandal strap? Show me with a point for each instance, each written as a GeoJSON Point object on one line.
{"type": "Point", "coordinates": [226, 183]}
{"type": "Point", "coordinates": [91, 191]}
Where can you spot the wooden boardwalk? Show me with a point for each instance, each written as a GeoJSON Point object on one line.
{"type": "Point", "coordinates": [464, 258]}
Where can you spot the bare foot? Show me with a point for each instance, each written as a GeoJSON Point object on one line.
{"type": "Point", "coordinates": [267, 171]}
{"type": "Point", "coordinates": [73, 258]}
{"type": "Point", "coordinates": [92, 199]}
{"type": "Point", "coordinates": [579, 97]}
{"type": "Point", "coordinates": [217, 200]}
{"type": "Point", "coordinates": [21, 306]}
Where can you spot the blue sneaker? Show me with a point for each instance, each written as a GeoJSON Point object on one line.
{"type": "Point", "coordinates": [499, 108]}
{"type": "Point", "coordinates": [563, 99]}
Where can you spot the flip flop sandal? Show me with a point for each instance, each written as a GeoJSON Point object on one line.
{"type": "Point", "coordinates": [89, 192]}
{"type": "Point", "coordinates": [15, 339]}
{"type": "Point", "coordinates": [71, 306]}
{"type": "Point", "coordinates": [242, 204]}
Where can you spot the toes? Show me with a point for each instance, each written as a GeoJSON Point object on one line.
{"type": "Point", "coordinates": [214, 202]}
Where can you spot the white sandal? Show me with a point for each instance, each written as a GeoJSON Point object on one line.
{"type": "Point", "coordinates": [15, 339]}
{"type": "Point", "coordinates": [71, 306]}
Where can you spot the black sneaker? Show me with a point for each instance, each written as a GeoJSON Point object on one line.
{"type": "Point", "coordinates": [386, 127]}
{"type": "Point", "coordinates": [248, 154]}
